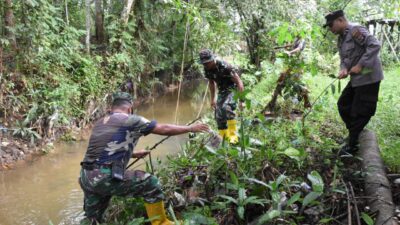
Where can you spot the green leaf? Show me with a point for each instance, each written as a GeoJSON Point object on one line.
{"type": "Point", "coordinates": [280, 179]}
{"type": "Point", "coordinates": [259, 182]}
{"type": "Point", "coordinates": [310, 197]}
{"type": "Point", "coordinates": [325, 220]}
{"type": "Point", "coordinates": [36, 135]}
{"type": "Point", "coordinates": [196, 218]}
{"type": "Point", "coordinates": [294, 198]}
{"type": "Point", "coordinates": [313, 69]}
{"type": "Point", "coordinates": [254, 200]}
{"type": "Point", "coordinates": [367, 219]}
{"type": "Point", "coordinates": [333, 88]}
{"type": "Point", "coordinates": [240, 211]}
{"type": "Point", "coordinates": [242, 194]}
{"type": "Point", "coordinates": [270, 215]}
{"type": "Point", "coordinates": [316, 180]}
{"type": "Point", "coordinates": [248, 104]}
{"type": "Point", "coordinates": [292, 153]}
{"type": "Point", "coordinates": [229, 198]}
{"type": "Point", "coordinates": [234, 178]}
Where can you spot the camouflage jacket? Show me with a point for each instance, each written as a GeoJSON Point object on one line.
{"type": "Point", "coordinates": [114, 137]}
{"type": "Point", "coordinates": [222, 75]}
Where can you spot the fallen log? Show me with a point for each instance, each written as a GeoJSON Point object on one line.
{"type": "Point", "coordinates": [376, 184]}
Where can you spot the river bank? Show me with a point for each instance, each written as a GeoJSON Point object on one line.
{"type": "Point", "coordinates": [14, 149]}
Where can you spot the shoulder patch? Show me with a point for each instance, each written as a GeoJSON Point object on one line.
{"type": "Point", "coordinates": [359, 34]}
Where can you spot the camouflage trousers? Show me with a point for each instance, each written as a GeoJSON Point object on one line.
{"type": "Point", "coordinates": [225, 109]}
{"type": "Point", "coordinates": [98, 187]}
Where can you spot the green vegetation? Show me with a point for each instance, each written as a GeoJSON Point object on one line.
{"type": "Point", "coordinates": [60, 60]}
{"type": "Point", "coordinates": [292, 176]}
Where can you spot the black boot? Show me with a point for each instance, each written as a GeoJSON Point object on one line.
{"type": "Point", "coordinates": [348, 150]}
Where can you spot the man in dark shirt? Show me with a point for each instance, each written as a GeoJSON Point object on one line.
{"type": "Point", "coordinates": [110, 147]}
{"type": "Point", "coordinates": [221, 74]}
{"type": "Point", "coordinates": [359, 58]}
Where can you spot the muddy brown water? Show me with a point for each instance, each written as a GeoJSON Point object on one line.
{"type": "Point", "coordinates": [46, 189]}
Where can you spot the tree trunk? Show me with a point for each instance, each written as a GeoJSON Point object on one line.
{"type": "Point", "coordinates": [10, 24]}
{"type": "Point", "coordinates": [127, 9]}
{"type": "Point", "coordinates": [88, 25]}
{"type": "Point", "coordinates": [377, 186]}
{"type": "Point", "coordinates": [99, 22]}
{"type": "Point", "coordinates": [66, 12]}
{"type": "Point", "coordinates": [250, 33]}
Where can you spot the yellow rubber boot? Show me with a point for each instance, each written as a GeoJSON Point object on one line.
{"type": "Point", "coordinates": [223, 133]}
{"type": "Point", "coordinates": [156, 213]}
{"type": "Point", "coordinates": [231, 133]}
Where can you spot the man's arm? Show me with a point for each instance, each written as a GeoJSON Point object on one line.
{"type": "Point", "coordinates": [299, 48]}
{"type": "Point", "coordinates": [372, 47]}
{"type": "Point", "coordinates": [171, 129]}
{"type": "Point", "coordinates": [371, 44]}
{"type": "Point", "coordinates": [343, 73]}
{"type": "Point", "coordinates": [212, 86]}
{"type": "Point", "coordinates": [236, 79]}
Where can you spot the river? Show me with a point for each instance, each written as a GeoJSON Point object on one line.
{"type": "Point", "coordinates": [45, 189]}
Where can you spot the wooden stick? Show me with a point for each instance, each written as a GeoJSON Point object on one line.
{"type": "Point", "coordinates": [349, 222]}
{"type": "Point", "coordinates": [355, 204]}
{"type": "Point", "coordinates": [391, 46]}
{"type": "Point", "coordinates": [204, 100]}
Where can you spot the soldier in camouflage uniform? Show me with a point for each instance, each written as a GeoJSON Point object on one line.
{"type": "Point", "coordinates": [221, 74]}
{"type": "Point", "coordinates": [359, 58]}
{"type": "Point", "coordinates": [290, 80]}
{"type": "Point", "coordinates": [110, 147]}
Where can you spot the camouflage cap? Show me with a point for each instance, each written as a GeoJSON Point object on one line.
{"type": "Point", "coordinates": [122, 96]}
{"type": "Point", "coordinates": [206, 56]}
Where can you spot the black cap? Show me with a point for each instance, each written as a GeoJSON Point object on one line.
{"type": "Point", "coordinates": [206, 56]}
{"type": "Point", "coordinates": [122, 96]}
{"type": "Point", "coordinates": [333, 16]}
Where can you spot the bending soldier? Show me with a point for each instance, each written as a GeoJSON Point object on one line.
{"type": "Point", "coordinates": [110, 147]}
{"type": "Point", "coordinates": [290, 79]}
{"type": "Point", "coordinates": [221, 74]}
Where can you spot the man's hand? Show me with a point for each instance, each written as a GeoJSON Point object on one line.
{"type": "Point", "coordinates": [288, 53]}
{"type": "Point", "coordinates": [213, 104]}
{"type": "Point", "coordinates": [343, 74]}
{"type": "Point", "coordinates": [355, 69]}
{"type": "Point", "coordinates": [199, 127]}
{"type": "Point", "coordinates": [140, 153]}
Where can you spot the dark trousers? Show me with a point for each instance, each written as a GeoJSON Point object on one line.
{"type": "Point", "coordinates": [356, 107]}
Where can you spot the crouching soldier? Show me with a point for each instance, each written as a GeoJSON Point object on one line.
{"type": "Point", "coordinates": [110, 147]}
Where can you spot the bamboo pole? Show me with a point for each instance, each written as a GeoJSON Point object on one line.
{"type": "Point", "coordinates": [391, 46]}
{"type": "Point", "coordinates": [182, 65]}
